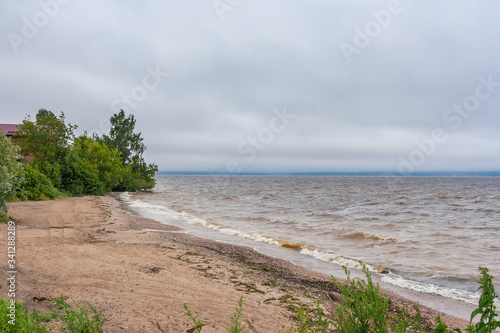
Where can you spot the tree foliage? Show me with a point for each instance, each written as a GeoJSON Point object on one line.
{"type": "Point", "coordinates": [48, 140]}
{"type": "Point", "coordinates": [36, 186]}
{"type": "Point", "coordinates": [11, 170]}
{"type": "Point", "coordinates": [138, 175]}
{"type": "Point", "coordinates": [122, 137]}
{"type": "Point", "coordinates": [91, 168]}
{"type": "Point", "coordinates": [75, 166]}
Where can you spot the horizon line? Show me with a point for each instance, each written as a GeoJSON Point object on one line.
{"type": "Point", "coordinates": [335, 173]}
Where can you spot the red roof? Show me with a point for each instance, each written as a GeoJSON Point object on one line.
{"type": "Point", "coordinates": [9, 129]}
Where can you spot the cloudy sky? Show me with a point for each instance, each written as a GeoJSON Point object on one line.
{"type": "Point", "coordinates": [281, 85]}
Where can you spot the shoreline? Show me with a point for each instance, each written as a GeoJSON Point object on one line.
{"type": "Point", "coordinates": [406, 288]}
{"type": "Point", "coordinates": [91, 249]}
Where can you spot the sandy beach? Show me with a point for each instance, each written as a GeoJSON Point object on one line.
{"type": "Point", "coordinates": [142, 271]}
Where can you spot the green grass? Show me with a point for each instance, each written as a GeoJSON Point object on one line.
{"type": "Point", "coordinates": [83, 319]}
{"type": "Point", "coordinates": [364, 309]}
{"type": "Point", "coordinates": [25, 320]}
{"type": "Point", "coordinates": [309, 320]}
{"type": "Point", "coordinates": [236, 325]}
{"type": "Point", "coordinates": [74, 319]}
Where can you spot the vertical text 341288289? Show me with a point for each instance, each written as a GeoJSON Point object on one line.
{"type": "Point", "coordinates": [11, 273]}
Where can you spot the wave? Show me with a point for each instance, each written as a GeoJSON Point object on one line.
{"type": "Point", "coordinates": [323, 215]}
{"type": "Point", "coordinates": [252, 236]}
{"type": "Point", "coordinates": [303, 248]}
{"type": "Point", "coordinates": [192, 219]}
{"type": "Point", "coordinates": [457, 294]}
{"type": "Point", "coordinates": [189, 216]}
{"type": "Point", "coordinates": [341, 260]}
{"type": "Point", "coordinates": [362, 235]}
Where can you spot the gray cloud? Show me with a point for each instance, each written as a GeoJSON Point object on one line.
{"type": "Point", "coordinates": [225, 78]}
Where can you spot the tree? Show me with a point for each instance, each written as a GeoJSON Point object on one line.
{"type": "Point", "coordinates": [91, 168]}
{"type": "Point", "coordinates": [138, 174]}
{"type": "Point", "coordinates": [48, 140]}
{"type": "Point", "coordinates": [11, 169]}
{"type": "Point", "coordinates": [122, 137]}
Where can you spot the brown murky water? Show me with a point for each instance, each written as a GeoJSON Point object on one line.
{"type": "Point", "coordinates": [429, 233]}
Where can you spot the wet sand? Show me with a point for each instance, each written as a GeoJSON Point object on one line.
{"type": "Point", "coordinates": [142, 271]}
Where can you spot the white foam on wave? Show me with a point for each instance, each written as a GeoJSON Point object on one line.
{"type": "Point", "coordinates": [331, 257]}
{"type": "Point", "coordinates": [255, 237]}
{"type": "Point", "coordinates": [232, 232]}
{"type": "Point", "coordinates": [157, 209]}
{"type": "Point", "coordinates": [457, 294]}
{"type": "Point", "coordinates": [192, 219]}
{"type": "Point", "coordinates": [341, 260]}
{"type": "Point", "coordinates": [125, 196]}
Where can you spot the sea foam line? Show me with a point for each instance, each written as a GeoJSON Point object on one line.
{"type": "Point", "coordinates": [303, 248]}
{"type": "Point", "coordinates": [341, 260]}
{"type": "Point", "coordinates": [192, 219]}
{"type": "Point", "coordinates": [457, 294]}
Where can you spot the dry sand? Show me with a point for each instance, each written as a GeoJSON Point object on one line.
{"type": "Point", "coordinates": [89, 249]}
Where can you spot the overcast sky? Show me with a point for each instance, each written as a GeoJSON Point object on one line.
{"type": "Point", "coordinates": [280, 85]}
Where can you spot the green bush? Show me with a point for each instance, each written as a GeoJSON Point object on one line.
{"type": "Point", "coordinates": [236, 319]}
{"type": "Point", "coordinates": [51, 170]}
{"type": "Point", "coordinates": [10, 173]}
{"type": "Point", "coordinates": [36, 186]}
{"type": "Point", "coordinates": [79, 178]}
{"type": "Point", "coordinates": [486, 308]}
{"type": "Point", "coordinates": [363, 308]}
{"type": "Point", "coordinates": [91, 168]}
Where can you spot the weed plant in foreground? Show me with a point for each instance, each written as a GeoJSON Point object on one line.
{"type": "Point", "coordinates": [486, 309]}
{"type": "Point", "coordinates": [74, 319]}
{"type": "Point", "coordinates": [364, 309]}
{"type": "Point", "coordinates": [25, 320]}
{"type": "Point", "coordinates": [236, 319]}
